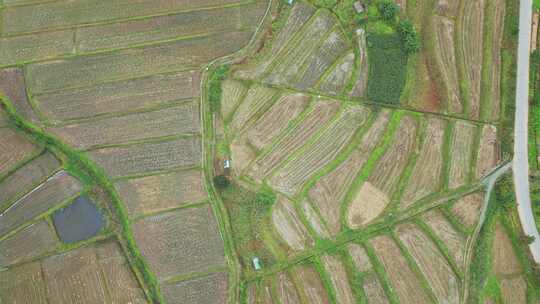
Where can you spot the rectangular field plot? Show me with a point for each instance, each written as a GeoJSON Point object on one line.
{"type": "Point", "coordinates": [294, 138]}
{"type": "Point", "coordinates": [461, 148]}
{"type": "Point", "coordinates": [160, 192]}
{"type": "Point", "coordinates": [54, 191]}
{"type": "Point", "coordinates": [467, 209]}
{"type": "Point", "coordinates": [276, 119]}
{"type": "Point", "coordinates": [441, 277]}
{"type": "Point", "coordinates": [488, 151]}
{"type": "Point", "coordinates": [12, 86]}
{"type": "Point", "coordinates": [504, 258]}
{"type": "Point", "coordinates": [14, 149]}
{"type": "Point", "coordinates": [161, 58]}
{"type": "Point", "coordinates": [289, 227]}
{"type": "Point", "coordinates": [257, 99]}
{"type": "Point", "coordinates": [118, 96]}
{"type": "Point", "coordinates": [375, 194]}
{"type": "Point", "coordinates": [286, 291]}
{"type": "Point", "coordinates": [332, 140]}
{"type": "Point", "coordinates": [205, 290]}
{"type": "Point", "coordinates": [191, 23]}
{"type": "Point", "coordinates": [68, 14]}
{"type": "Point", "coordinates": [426, 174]}
{"type": "Point", "coordinates": [28, 176]}
{"type": "Point", "coordinates": [182, 119]}
{"type": "Point", "coordinates": [311, 284]}
{"type": "Point", "coordinates": [28, 243]}
{"type": "Point", "coordinates": [179, 242]}
{"type": "Point", "coordinates": [23, 284]}
{"type": "Point", "coordinates": [34, 47]}
{"type": "Point", "coordinates": [406, 284]}
{"type": "Point", "coordinates": [338, 277]}
{"type": "Point", "coordinates": [148, 157]}
{"type": "Point", "coordinates": [450, 237]}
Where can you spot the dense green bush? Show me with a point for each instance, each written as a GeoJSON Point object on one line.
{"type": "Point", "coordinates": [214, 87]}
{"type": "Point", "coordinates": [409, 37]}
{"type": "Point", "coordinates": [388, 10]}
{"type": "Point", "coordinates": [221, 182]}
{"type": "Point", "coordinates": [387, 68]}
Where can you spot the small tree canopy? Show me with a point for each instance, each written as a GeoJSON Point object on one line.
{"type": "Point", "coordinates": [409, 37]}
{"type": "Point", "coordinates": [388, 9]}
{"type": "Point", "coordinates": [221, 182]}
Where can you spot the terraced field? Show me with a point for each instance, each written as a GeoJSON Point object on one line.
{"type": "Point", "coordinates": [234, 155]}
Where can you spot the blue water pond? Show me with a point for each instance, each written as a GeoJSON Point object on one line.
{"type": "Point", "coordinates": [79, 221]}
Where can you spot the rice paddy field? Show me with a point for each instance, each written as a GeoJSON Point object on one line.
{"type": "Point", "coordinates": [258, 152]}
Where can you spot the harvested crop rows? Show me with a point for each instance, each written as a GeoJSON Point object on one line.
{"type": "Point", "coordinates": [14, 149]}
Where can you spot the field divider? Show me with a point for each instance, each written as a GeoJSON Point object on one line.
{"type": "Point", "coordinates": [82, 162]}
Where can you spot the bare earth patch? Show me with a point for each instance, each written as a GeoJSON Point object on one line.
{"type": "Point", "coordinates": [467, 209]}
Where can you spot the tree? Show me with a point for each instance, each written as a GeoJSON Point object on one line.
{"type": "Point", "coordinates": [409, 37]}
{"type": "Point", "coordinates": [388, 10]}
{"type": "Point", "coordinates": [528, 239]}
{"type": "Point", "coordinates": [221, 182]}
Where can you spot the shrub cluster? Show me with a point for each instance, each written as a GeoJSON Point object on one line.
{"type": "Point", "coordinates": [409, 37]}
{"type": "Point", "coordinates": [214, 87]}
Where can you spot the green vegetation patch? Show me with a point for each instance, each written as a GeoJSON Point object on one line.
{"type": "Point", "coordinates": [214, 87]}
{"type": "Point", "coordinates": [387, 68]}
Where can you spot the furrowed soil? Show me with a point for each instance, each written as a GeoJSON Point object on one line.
{"type": "Point", "coordinates": [467, 209]}
{"type": "Point", "coordinates": [24, 284]}
{"type": "Point", "coordinates": [488, 151]}
{"type": "Point", "coordinates": [257, 100]}
{"type": "Point", "coordinates": [461, 149]}
{"type": "Point", "coordinates": [312, 285]}
{"type": "Point", "coordinates": [289, 226]}
{"type": "Point", "coordinates": [233, 92]}
{"type": "Point", "coordinates": [286, 291]}
{"type": "Point", "coordinates": [338, 277]}
{"type": "Point", "coordinates": [505, 261]}
{"type": "Point", "coordinates": [204, 290]}
{"type": "Point", "coordinates": [373, 290]}
{"type": "Point", "coordinates": [14, 149]}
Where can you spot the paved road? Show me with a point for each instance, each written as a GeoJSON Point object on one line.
{"type": "Point", "coordinates": [521, 162]}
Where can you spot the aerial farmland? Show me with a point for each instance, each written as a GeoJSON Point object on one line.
{"type": "Point", "coordinates": [260, 152]}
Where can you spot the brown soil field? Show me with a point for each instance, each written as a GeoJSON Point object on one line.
{"type": "Point", "coordinates": [148, 30]}
{"type": "Point", "coordinates": [118, 96]}
{"type": "Point", "coordinates": [441, 277]}
{"type": "Point", "coordinates": [312, 285]}
{"type": "Point", "coordinates": [14, 149]}
{"type": "Point", "coordinates": [329, 191]}
{"type": "Point", "coordinates": [286, 291]}
{"type": "Point", "coordinates": [426, 175]}
{"type": "Point", "coordinates": [470, 45]}
{"type": "Point", "coordinates": [359, 257]}
{"type": "Point", "coordinates": [338, 277]}
{"type": "Point", "coordinates": [452, 239]}
{"type": "Point", "coordinates": [373, 290]}
{"type": "Point", "coordinates": [266, 296]}
{"type": "Point", "coordinates": [286, 66]}
{"type": "Point", "coordinates": [48, 195]}
{"type": "Point", "coordinates": [233, 92]}
{"type": "Point", "coordinates": [28, 243]}
{"type": "Point", "coordinates": [514, 290]}
{"type": "Point", "coordinates": [40, 46]}
{"type": "Point", "coordinates": [321, 59]}
{"type": "Point", "coordinates": [119, 279]}
{"type": "Point", "coordinates": [27, 177]}
{"type": "Point", "coordinates": [88, 70]}
{"type": "Point", "coordinates": [4, 120]}
{"type": "Point", "coordinates": [447, 7]}
{"type": "Point", "coordinates": [148, 157]}
{"type": "Point", "coordinates": [314, 219]}
{"type": "Point", "coordinates": [467, 209]}
{"type": "Point", "coordinates": [256, 101]}
{"type": "Point", "coordinates": [294, 138]}
{"type": "Point", "coordinates": [182, 119]}
{"type": "Point", "coordinates": [23, 284]}
{"type": "Point", "coordinates": [161, 192]}
{"type": "Point", "coordinates": [53, 15]}
{"type": "Point", "coordinates": [290, 178]}
{"type": "Point", "coordinates": [241, 155]}
{"type": "Point", "coordinates": [12, 86]}
{"type": "Point", "coordinates": [445, 56]}
{"type": "Point", "coordinates": [488, 151]}
{"type": "Point", "coordinates": [205, 290]}
{"type": "Point", "coordinates": [406, 284]}
{"type": "Point", "coordinates": [461, 148]}
{"type": "Point", "coordinates": [180, 242]}
{"type": "Point", "coordinates": [376, 192]}
{"type": "Point", "coordinates": [276, 119]}
{"type": "Point", "coordinates": [494, 99]}
{"type": "Point", "coordinates": [252, 294]}
{"type": "Point", "coordinates": [505, 261]}
{"type": "Point", "coordinates": [337, 79]}
{"type": "Point", "coordinates": [74, 276]}
{"type": "Point", "coordinates": [360, 83]}
{"type": "Point", "coordinates": [299, 15]}
{"type": "Point", "coordinates": [288, 225]}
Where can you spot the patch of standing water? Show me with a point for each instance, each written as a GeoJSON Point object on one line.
{"type": "Point", "coordinates": [79, 221]}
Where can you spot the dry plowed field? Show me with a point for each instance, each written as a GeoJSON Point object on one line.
{"type": "Point", "coordinates": [312, 285]}
{"type": "Point", "coordinates": [205, 290]}
{"type": "Point", "coordinates": [514, 290]}
{"type": "Point", "coordinates": [182, 119]}
{"type": "Point", "coordinates": [13, 86]}
{"type": "Point", "coordinates": [505, 261]}
{"type": "Point", "coordinates": [338, 277]}
{"type": "Point", "coordinates": [461, 153]}
{"type": "Point", "coordinates": [149, 157]}
{"type": "Point", "coordinates": [339, 75]}
{"type": "Point", "coordinates": [315, 220]}
{"type": "Point", "coordinates": [28, 243]}
{"type": "Point", "coordinates": [23, 284]}
{"type": "Point", "coordinates": [289, 227]}
{"type": "Point", "coordinates": [14, 149]}
{"type": "Point", "coordinates": [233, 92]}
{"type": "Point", "coordinates": [161, 192]}
{"type": "Point", "coordinates": [51, 193]}
{"type": "Point", "coordinates": [325, 148]}
{"type": "Point", "coordinates": [286, 290]}
{"type": "Point", "coordinates": [373, 290]}
{"type": "Point", "coordinates": [118, 96]}
{"type": "Point", "coordinates": [257, 100]}
{"type": "Point", "coordinates": [467, 209]}
{"type": "Point", "coordinates": [27, 177]}
{"type": "Point", "coordinates": [179, 242]}
{"type": "Point", "coordinates": [488, 151]}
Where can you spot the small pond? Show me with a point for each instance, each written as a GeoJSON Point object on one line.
{"type": "Point", "coordinates": [79, 221]}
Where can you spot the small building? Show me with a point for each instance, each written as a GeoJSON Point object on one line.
{"type": "Point", "coordinates": [226, 164]}
{"type": "Point", "coordinates": [359, 7]}
{"type": "Point", "coordinates": [256, 263]}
